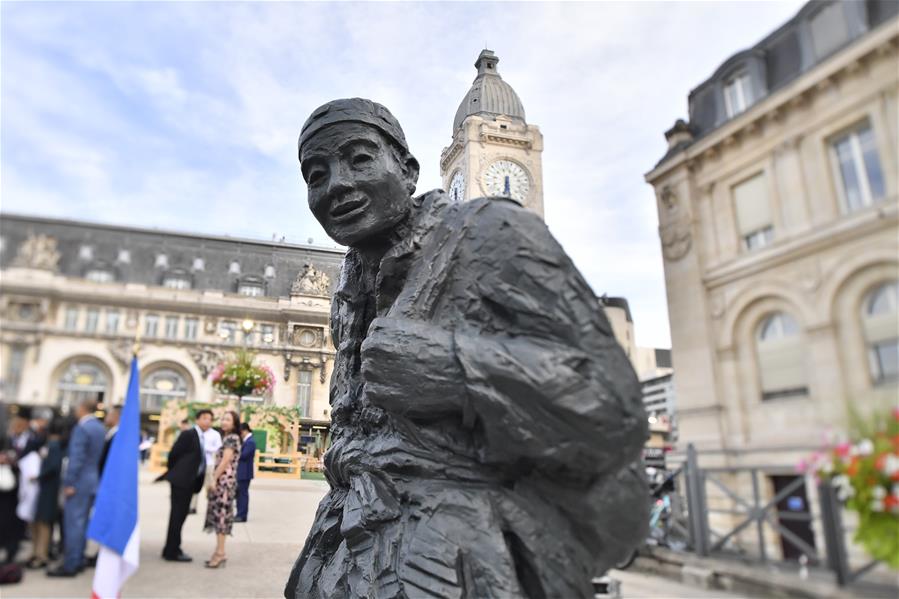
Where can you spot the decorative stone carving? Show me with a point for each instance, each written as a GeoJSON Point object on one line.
{"type": "Point", "coordinates": [210, 325]}
{"type": "Point", "coordinates": [311, 282]}
{"type": "Point", "coordinates": [205, 358]}
{"type": "Point", "coordinates": [674, 230]}
{"type": "Point", "coordinates": [304, 363]}
{"type": "Point", "coordinates": [122, 350]}
{"type": "Point", "coordinates": [39, 252]}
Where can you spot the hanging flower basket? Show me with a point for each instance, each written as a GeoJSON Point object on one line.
{"type": "Point", "coordinates": [865, 476]}
{"type": "Point", "coordinates": [241, 377]}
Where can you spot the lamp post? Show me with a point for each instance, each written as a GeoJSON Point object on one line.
{"type": "Point", "coordinates": [247, 326]}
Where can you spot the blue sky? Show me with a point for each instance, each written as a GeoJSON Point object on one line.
{"type": "Point", "coordinates": [185, 115]}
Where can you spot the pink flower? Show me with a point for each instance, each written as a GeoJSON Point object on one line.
{"type": "Point", "coordinates": [843, 449]}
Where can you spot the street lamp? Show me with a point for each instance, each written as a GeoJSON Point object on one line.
{"type": "Point", "coordinates": [247, 326]}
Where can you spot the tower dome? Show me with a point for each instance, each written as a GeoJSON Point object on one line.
{"type": "Point", "coordinates": [489, 94]}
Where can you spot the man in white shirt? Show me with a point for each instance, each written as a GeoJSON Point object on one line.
{"type": "Point", "coordinates": [212, 440]}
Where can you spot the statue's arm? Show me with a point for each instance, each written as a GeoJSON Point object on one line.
{"type": "Point", "coordinates": [546, 384]}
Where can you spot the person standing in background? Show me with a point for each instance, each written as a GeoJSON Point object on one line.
{"type": "Point", "coordinates": [48, 499]}
{"type": "Point", "coordinates": [222, 491]}
{"type": "Point", "coordinates": [79, 485]}
{"type": "Point", "coordinates": [212, 440]}
{"type": "Point", "coordinates": [245, 471]}
{"type": "Point", "coordinates": [112, 423]}
{"type": "Point", "coordinates": [186, 473]}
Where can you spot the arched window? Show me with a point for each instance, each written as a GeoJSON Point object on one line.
{"type": "Point", "coordinates": [780, 356]}
{"type": "Point", "coordinates": [81, 380]}
{"type": "Point", "coordinates": [880, 322]}
{"type": "Point", "coordinates": [160, 386]}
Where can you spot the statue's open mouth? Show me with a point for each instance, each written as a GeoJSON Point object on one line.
{"type": "Point", "coordinates": [348, 208]}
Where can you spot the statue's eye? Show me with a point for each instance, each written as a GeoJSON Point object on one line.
{"type": "Point", "coordinates": [361, 159]}
{"type": "Point", "coordinates": [315, 177]}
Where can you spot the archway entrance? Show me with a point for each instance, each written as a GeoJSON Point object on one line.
{"type": "Point", "coordinates": [81, 380]}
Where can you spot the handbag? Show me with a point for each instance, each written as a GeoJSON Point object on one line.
{"type": "Point", "coordinates": [7, 478]}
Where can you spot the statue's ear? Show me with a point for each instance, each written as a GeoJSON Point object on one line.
{"type": "Point", "coordinates": [410, 173]}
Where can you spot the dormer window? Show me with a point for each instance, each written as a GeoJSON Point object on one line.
{"type": "Point", "coordinates": [177, 280]}
{"type": "Point", "coordinates": [269, 272]}
{"type": "Point", "coordinates": [234, 268]}
{"type": "Point", "coordinates": [124, 256]}
{"type": "Point", "coordinates": [100, 275]}
{"type": "Point", "coordinates": [737, 94]}
{"type": "Point", "coordinates": [251, 289]}
{"type": "Point", "coordinates": [162, 261]}
{"type": "Point", "coordinates": [199, 264]}
{"type": "Point", "coordinates": [86, 252]}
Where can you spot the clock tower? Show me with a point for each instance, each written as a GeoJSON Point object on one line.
{"type": "Point", "coordinates": [494, 151]}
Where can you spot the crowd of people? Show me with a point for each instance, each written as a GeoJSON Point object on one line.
{"type": "Point", "coordinates": [51, 466]}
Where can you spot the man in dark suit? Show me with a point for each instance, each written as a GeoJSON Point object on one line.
{"type": "Point", "coordinates": [186, 472]}
{"type": "Point", "coordinates": [79, 485]}
{"type": "Point", "coordinates": [245, 471]}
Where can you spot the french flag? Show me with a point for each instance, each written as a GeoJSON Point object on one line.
{"type": "Point", "coordinates": [114, 524]}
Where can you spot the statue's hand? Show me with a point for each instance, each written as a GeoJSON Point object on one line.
{"type": "Point", "coordinates": [409, 368]}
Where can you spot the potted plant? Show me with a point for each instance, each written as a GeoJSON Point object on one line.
{"type": "Point", "coordinates": [240, 376]}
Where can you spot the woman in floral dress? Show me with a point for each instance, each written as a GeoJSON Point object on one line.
{"type": "Point", "coordinates": [223, 490]}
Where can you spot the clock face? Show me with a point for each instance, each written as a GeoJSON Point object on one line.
{"type": "Point", "coordinates": [507, 179]}
{"type": "Point", "coordinates": [457, 187]}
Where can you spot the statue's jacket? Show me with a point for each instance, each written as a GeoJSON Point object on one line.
{"type": "Point", "coordinates": [485, 422]}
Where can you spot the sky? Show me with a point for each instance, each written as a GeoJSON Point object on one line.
{"type": "Point", "coordinates": [185, 115]}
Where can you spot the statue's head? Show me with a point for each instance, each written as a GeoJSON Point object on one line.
{"type": "Point", "coordinates": [358, 169]}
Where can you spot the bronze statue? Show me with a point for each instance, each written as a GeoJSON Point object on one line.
{"type": "Point", "coordinates": [486, 425]}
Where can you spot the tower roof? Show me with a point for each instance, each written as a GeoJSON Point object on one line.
{"type": "Point", "coordinates": [489, 94]}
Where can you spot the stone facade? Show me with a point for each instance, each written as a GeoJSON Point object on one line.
{"type": "Point", "coordinates": [821, 249]}
{"type": "Point", "coordinates": [74, 297]}
{"type": "Point", "coordinates": [778, 221]}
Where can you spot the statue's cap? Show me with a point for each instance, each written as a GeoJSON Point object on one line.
{"type": "Point", "coordinates": [353, 110]}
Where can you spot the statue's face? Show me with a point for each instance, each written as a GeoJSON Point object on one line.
{"type": "Point", "coordinates": [358, 188]}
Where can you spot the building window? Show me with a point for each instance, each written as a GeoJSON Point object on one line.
{"type": "Point", "coordinates": [82, 380]}
{"type": "Point", "coordinates": [234, 267]}
{"type": "Point", "coordinates": [251, 289]}
{"type": "Point", "coordinates": [880, 322]}
{"type": "Point", "coordinates": [268, 333]}
{"type": "Point", "coordinates": [151, 323]}
{"type": "Point", "coordinates": [124, 256]}
{"type": "Point", "coordinates": [781, 357]}
{"type": "Point", "coordinates": [753, 210]}
{"type": "Point", "coordinates": [858, 168]}
{"type": "Point", "coordinates": [161, 386]}
{"type": "Point", "coordinates": [14, 373]}
{"type": "Point", "coordinates": [100, 275]}
{"type": "Point", "coordinates": [227, 331]}
{"type": "Point", "coordinates": [86, 252]}
{"type": "Point", "coordinates": [162, 261]}
{"type": "Point", "coordinates": [737, 94]}
{"type": "Point", "coordinates": [190, 328]}
{"type": "Point", "coordinates": [199, 264]}
{"type": "Point", "coordinates": [112, 321]}
{"type": "Point", "coordinates": [176, 281]}
{"type": "Point", "coordinates": [304, 391]}
{"type": "Point", "coordinates": [93, 317]}
{"type": "Point", "coordinates": [71, 318]}
{"type": "Point", "coordinates": [269, 272]}
{"type": "Point", "coordinates": [171, 327]}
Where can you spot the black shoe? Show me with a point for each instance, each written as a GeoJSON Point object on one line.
{"type": "Point", "coordinates": [61, 573]}
{"type": "Point", "coordinates": [183, 557]}
{"type": "Point", "coordinates": [240, 519]}
{"type": "Point", "coordinates": [90, 562]}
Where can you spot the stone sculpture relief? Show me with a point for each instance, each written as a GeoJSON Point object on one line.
{"type": "Point", "coordinates": [311, 282]}
{"type": "Point", "coordinates": [39, 252]}
{"type": "Point", "coordinates": [486, 425]}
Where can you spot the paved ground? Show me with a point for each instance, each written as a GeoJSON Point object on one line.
{"type": "Point", "coordinates": [260, 553]}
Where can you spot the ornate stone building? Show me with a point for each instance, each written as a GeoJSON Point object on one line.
{"type": "Point", "coordinates": [74, 297]}
{"type": "Point", "coordinates": [777, 208]}
{"type": "Point", "coordinates": [494, 151]}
